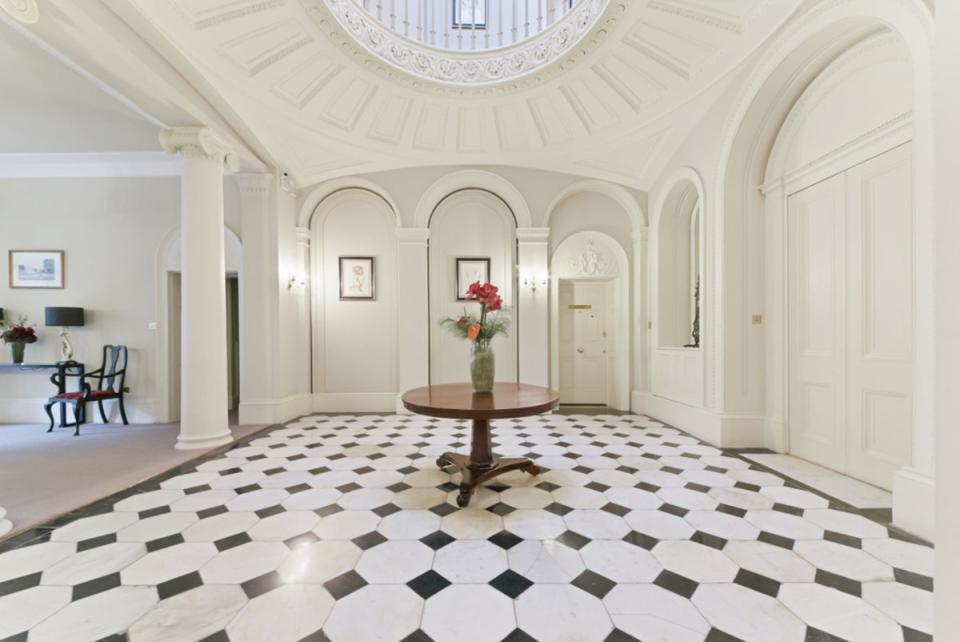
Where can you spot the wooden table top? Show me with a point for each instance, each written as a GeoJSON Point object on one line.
{"type": "Point", "coordinates": [459, 401]}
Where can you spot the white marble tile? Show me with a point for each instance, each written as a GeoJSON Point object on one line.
{"type": "Point", "coordinates": [192, 615]}
{"type": "Point", "coordinates": [365, 498]}
{"type": "Point", "coordinates": [93, 563]}
{"type": "Point", "coordinates": [660, 478]}
{"type": "Point", "coordinates": [596, 524]}
{"type": "Point", "coordinates": [566, 478]}
{"type": "Point", "coordinates": [577, 497]}
{"type": "Point", "coordinates": [283, 526]}
{"type": "Point", "coordinates": [95, 526]}
{"type": "Point", "coordinates": [346, 524]}
{"type": "Point", "coordinates": [285, 614]}
{"type": "Point", "coordinates": [156, 527]}
{"type": "Point", "coordinates": [755, 477]}
{"type": "Point", "coordinates": [849, 562]}
{"type": "Point", "coordinates": [168, 563]}
{"type": "Point", "coordinates": [148, 500]}
{"type": "Point", "coordinates": [380, 478]}
{"type": "Point", "coordinates": [319, 562]}
{"type": "Point", "coordinates": [311, 499]}
{"type": "Point", "coordinates": [741, 498]}
{"type": "Point", "coordinates": [534, 524]}
{"type": "Point", "coordinates": [620, 561]}
{"type": "Point", "coordinates": [686, 498]}
{"type": "Point", "coordinates": [97, 616]}
{"type": "Point", "coordinates": [838, 613]}
{"type": "Point", "coordinates": [649, 612]}
{"type": "Point", "coordinates": [658, 524]}
{"type": "Point", "coordinates": [489, 616]}
{"type": "Point", "coordinates": [847, 523]}
{"type": "Point", "coordinates": [546, 562]}
{"type": "Point", "coordinates": [747, 614]}
{"type": "Point", "coordinates": [427, 478]}
{"type": "Point", "coordinates": [219, 526]}
{"type": "Point", "coordinates": [472, 523]}
{"type": "Point", "coordinates": [375, 613]}
{"type": "Point", "coordinates": [721, 524]}
{"type": "Point", "coordinates": [915, 558]}
{"type": "Point", "coordinates": [470, 561]}
{"type": "Point", "coordinates": [258, 499]}
{"type": "Point", "coordinates": [31, 559]}
{"type": "Point", "coordinates": [25, 609]}
{"type": "Point", "coordinates": [562, 612]}
{"type": "Point", "coordinates": [695, 561]}
{"type": "Point", "coordinates": [633, 498]}
{"type": "Point", "coordinates": [409, 524]}
{"type": "Point", "coordinates": [770, 561]}
{"type": "Point", "coordinates": [834, 484]}
{"type": "Point", "coordinates": [189, 480]}
{"type": "Point", "coordinates": [784, 524]}
{"type": "Point", "coordinates": [614, 478]}
{"type": "Point", "coordinates": [419, 498]}
{"type": "Point", "coordinates": [909, 606]}
{"type": "Point", "coordinates": [708, 478]}
{"type": "Point", "coordinates": [395, 562]}
{"type": "Point", "coordinates": [245, 562]}
{"type": "Point", "coordinates": [482, 498]}
{"type": "Point", "coordinates": [794, 497]}
{"type": "Point", "coordinates": [203, 500]}
{"type": "Point", "coordinates": [237, 480]}
{"type": "Point", "coordinates": [526, 497]}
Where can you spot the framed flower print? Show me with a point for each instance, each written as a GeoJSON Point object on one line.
{"type": "Point", "coordinates": [357, 278]}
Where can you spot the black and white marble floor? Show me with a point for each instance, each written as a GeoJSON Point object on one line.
{"type": "Point", "coordinates": [341, 528]}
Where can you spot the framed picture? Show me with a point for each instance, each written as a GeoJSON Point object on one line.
{"type": "Point", "coordinates": [36, 269]}
{"type": "Point", "coordinates": [357, 278]}
{"type": "Point", "coordinates": [471, 270]}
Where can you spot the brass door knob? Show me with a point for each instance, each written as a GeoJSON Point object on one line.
{"type": "Point", "coordinates": [580, 350]}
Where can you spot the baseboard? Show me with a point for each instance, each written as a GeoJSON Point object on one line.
{"type": "Point", "coordinates": [638, 402]}
{"type": "Point", "coordinates": [725, 430]}
{"type": "Point", "coordinates": [29, 410]}
{"type": "Point", "coordinates": [354, 402]}
{"type": "Point", "coordinates": [914, 503]}
{"type": "Point", "coordinates": [275, 411]}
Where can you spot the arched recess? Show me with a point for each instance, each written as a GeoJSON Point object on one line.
{"type": "Point", "coordinates": [750, 269]}
{"type": "Point", "coordinates": [626, 200]}
{"type": "Point", "coordinates": [168, 327]}
{"type": "Point", "coordinates": [594, 257]}
{"type": "Point", "coordinates": [677, 293]}
{"type": "Point", "coordinates": [472, 179]}
{"type": "Point", "coordinates": [354, 341]}
{"type": "Point", "coordinates": [470, 223]}
{"type": "Point", "coordinates": [322, 191]}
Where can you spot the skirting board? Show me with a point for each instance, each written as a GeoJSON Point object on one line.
{"type": "Point", "coordinates": [724, 430]}
{"type": "Point", "coordinates": [914, 503]}
{"type": "Point", "coordinates": [274, 411]}
{"type": "Point", "coordinates": [354, 401]}
{"type": "Point", "coordinates": [140, 410]}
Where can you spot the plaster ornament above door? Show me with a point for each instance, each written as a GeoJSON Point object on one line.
{"type": "Point", "coordinates": [593, 261]}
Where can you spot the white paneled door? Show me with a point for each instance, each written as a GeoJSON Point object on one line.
{"type": "Point", "coordinates": [851, 293]}
{"type": "Point", "coordinates": [583, 342]}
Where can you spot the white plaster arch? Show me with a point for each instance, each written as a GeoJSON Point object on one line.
{"type": "Point", "coordinates": [319, 193]}
{"type": "Point", "coordinates": [674, 179]}
{"type": "Point", "coordinates": [626, 200]}
{"type": "Point", "coordinates": [472, 179]}
{"type": "Point", "coordinates": [800, 52]}
{"type": "Point", "coordinates": [613, 266]}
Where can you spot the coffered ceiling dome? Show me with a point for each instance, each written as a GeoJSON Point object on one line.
{"type": "Point", "coordinates": [466, 42]}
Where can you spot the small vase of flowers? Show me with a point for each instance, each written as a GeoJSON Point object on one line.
{"type": "Point", "coordinates": [480, 331]}
{"type": "Point", "coordinates": [18, 336]}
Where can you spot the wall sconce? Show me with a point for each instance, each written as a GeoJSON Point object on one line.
{"type": "Point", "coordinates": [534, 282]}
{"type": "Point", "coordinates": [296, 280]}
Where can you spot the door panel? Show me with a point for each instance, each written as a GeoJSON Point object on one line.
{"type": "Point", "coordinates": [880, 311]}
{"type": "Point", "coordinates": [816, 303]}
{"type": "Point", "coordinates": [583, 352]}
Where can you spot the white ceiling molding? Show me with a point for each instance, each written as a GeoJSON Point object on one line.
{"type": "Point", "coordinates": [92, 164]}
{"type": "Point", "coordinates": [24, 11]}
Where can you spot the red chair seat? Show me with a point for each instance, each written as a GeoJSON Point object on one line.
{"type": "Point", "coordinates": [94, 394]}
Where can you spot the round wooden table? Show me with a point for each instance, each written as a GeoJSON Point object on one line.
{"type": "Point", "coordinates": [459, 401]}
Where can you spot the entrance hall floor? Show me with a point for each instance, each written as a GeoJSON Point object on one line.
{"type": "Point", "coordinates": [341, 528]}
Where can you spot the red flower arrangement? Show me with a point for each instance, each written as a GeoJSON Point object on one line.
{"type": "Point", "coordinates": [480, 330]}
{"type": "Point", "coordinates": [20, 333]}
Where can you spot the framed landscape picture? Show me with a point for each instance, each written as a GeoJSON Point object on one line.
{"type": "Point", "coordinates": [357, 278]}
{"type": "Point", "coordinates": [36, 269]}
{"type": "Point", "coordinates": [471, 270]}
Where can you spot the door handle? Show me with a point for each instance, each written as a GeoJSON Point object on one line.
{"type": "Point", "coordinates": [580, 350]}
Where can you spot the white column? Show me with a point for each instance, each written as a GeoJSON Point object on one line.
{"type": "Point", "coordinates": [414, 312]}
{"type": "Point", "coordinates": [203, 379]}
{"type": "Point", "coordinates": [5, 524]}
{"type": "Point", "coordinates": [533, 309]}
{"type": "Point", "coordinates": [641, 335]}
{"type": "Point", "coordinates": [946, 120]}
{"type": "Point", "coordinates": [258, 299]}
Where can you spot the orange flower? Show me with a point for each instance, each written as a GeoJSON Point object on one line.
{"type": "Point", "coordinates": [473, 332]}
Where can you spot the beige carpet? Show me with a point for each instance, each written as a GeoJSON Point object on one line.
{"type": "Point", "coordinates": [43, 475]}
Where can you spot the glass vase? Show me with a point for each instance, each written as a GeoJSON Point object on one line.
{"type": "Point", "coordinates": [482, 368]}
{"type": "Point", "coordinates": [16, 351]}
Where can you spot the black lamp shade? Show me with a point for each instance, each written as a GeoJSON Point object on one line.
{"type": "Point", "coordinates": [63, 316]}
{"type": "Point", "coordinates": [1, 314]}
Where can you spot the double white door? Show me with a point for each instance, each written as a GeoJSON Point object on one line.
{"type": "Point", "coordinates": [583, 342]}
{"type": "Point", "coordinates": [850, 310]}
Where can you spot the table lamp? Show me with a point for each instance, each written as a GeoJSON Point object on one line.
{"type": "Point", "coordinates": [64, 318]}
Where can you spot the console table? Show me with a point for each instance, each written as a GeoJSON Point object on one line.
{"type": "Point", "coordinates": [459, 401]}
{"type": "Point", "coordinates": [60, 368]}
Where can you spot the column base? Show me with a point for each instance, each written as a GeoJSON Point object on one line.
{"type": "Point", "coordinates": [204, 442]}
{"type": "Point", "coordinates": [914, 503]}
{"type": "Point", "coordinates": [5, 524]}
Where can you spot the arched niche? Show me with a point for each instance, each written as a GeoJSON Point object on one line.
{"type": "Point", "coordinates": [470, 223]}
{"type": "Point", "coordinates": [679, 262]}
{"type": "Point", "coordinates": [594, 258]}
{"type": "Point", "coordinates": [354, 340]}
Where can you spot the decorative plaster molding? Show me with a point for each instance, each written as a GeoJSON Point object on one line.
{"type": "Point", "coordinates": [492, 71]}
{"type": "Point", "coordinates": [592, 261]}
{"type": "Point", "coordinates": [199, 143]}
{"type": "Point", "coordinates": [24, 11]}
{"type": "Point", "coordinates": [80, 165]}
{"type": "Point", "coordinates": [253, 182]}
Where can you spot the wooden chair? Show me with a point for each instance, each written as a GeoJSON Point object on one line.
{"type": "Point", "coordinates": [110, 378]}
